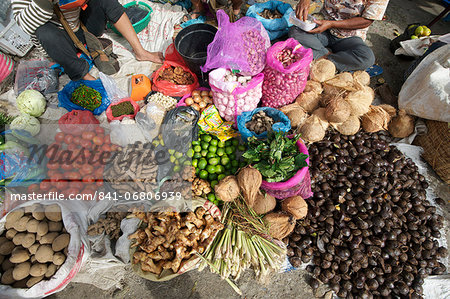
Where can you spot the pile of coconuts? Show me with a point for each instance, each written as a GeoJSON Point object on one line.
{"type": "Point", "coordinates": [280, 221]}
{"type": "Point", "coordinates": [344, 102]}
{"type": "Point", "coordinates": [370, 232]}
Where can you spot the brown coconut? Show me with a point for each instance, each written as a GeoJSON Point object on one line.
{"type": "Point", "coordinates": [286, 109]}
{"type": "Point", "coordinates": [360, 100]}
{"type": "Point", "coordinates": [337, 110]}
{"type": "Point", "coordinates": [227, 189]}
{"type": "Point", "coordinates": [402, 125]}
{"type": "Point", "coordinates": [264, 203]}
{"type": "Point", "coordinates": [313, 129]}
{"type": "Point", "coordinates": [249, 180]}
{"type": "Point", "coordinates": [322, 70]}
{"type": "Point", "coordinates": [321, 113]}
{"type": "Point", "coordinates": [362, 77]}
{"type": "Point", "coordinates": [313, 86]}
{"type": "Point", "coordinates": [332, 90]}
{"type": "Point", "coordinates": [342, 80]}
{"type": "Point", "coordinates": [308, 100]}
{"type": "Point", "coordinates": [389, 109]}
{"type": "Point", "coordinates": [375, 120]}
{"type": "Point", "coordinates": [349, 127]}
{"type": "Point", "coordinates": [280, 224]}
{"type": "Point", "coordinates": [296, 206]}
{"type": "Point", "coordinates": [297, 117]}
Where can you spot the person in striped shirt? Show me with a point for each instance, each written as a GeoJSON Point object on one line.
{"type": "Point", "coordinates": [36, 17]}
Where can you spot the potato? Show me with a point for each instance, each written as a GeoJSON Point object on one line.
{"type": "Point", "coordinates": [38, 214]}
{"type": "Point", "coordinates": [2, 258]}
{"type": "Point", "coordinates": [17, 249]}
{"type": "Point", "coordinates": [38, 270]}
{"type": "Point", "coordinates": [42, 228]}
{"type": "Point", "coordinates": [6, 265]}
{"type": "Point", "coordinates": [18, 238]}
{"type": "Point", "coordinates": [10, 233]}
{"type": "Point", "coordinates": [48, 238]}
{"type": "Point", "coordinates": [66, 251]}
{"type": "Point", "coordinates": [21, 224]}
{"type": "Point", "coordinates": [32, 225]}
{"type": "Point", "coordinates": [22, 284]}
{"type": "Point", "coordinates": [59, 258]}
{"type": "Point", "coordinates": [53, 212]}
{"type": "Point", "coordinates": [55, 226]}
{"type": "Point", "coordinates": [51, 270]}
{"type": "Point", "coordinates": [6, 247]}
{"type": "Point", "coordinates": [21, 271]}
{"type": "Point", "coordinates": [28, 240]}
{"type": "Point", "coordinates": [33, 248]}
{"type": "Point", "coordinates": [12, 218]}
{"type": "Point", "coordinates": [30, 209]}
{"type": "Point", "coordinates": [34, 280]}
{"type": "Point", "coordinates": [38, 237]}
{"type": "Point", "coordinates": [44, 254]}
{"type": "Point", "coordinates": [61, 242]}
{"type": "Point", "coordinates": [19, 256]}
{"type": "Point", "coordinates": [33, 259]}
{"type": "Point", "coordinates": [7, 277]}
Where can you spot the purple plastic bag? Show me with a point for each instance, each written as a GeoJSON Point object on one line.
{"type": "Point", "coordinates": [283, 84]}
{"type": "Point", "coordinates": [241, 45]}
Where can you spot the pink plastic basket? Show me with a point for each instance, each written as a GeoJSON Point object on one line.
{"type": "Point", "coordinates": [110, 116]}
{"type": "Point", "coordinates": [299, 184]}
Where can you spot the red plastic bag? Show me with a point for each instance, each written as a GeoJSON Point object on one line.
{"type": "Point", "coordinates": [110, 116]}
{"type": "Point", "coordinates": [77, 121]}
{"type": "Point", "coordinates": [171, 89]}
{"type": "Point", "coordinates": [172, 55]}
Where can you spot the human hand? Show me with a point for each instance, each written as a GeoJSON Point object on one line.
{"type": "Point", "coordinates": [302, 9]}
{"type": "Point", "coordinates": [322, 25]}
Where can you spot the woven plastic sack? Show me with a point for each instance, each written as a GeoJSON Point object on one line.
{"type": "Point", "coordinates": [65, 95]}
{"type": "Point", "coordinates": [241, 45]}
{"type": "Point", "coordinates": [230, 98]}
{"type": "Point", "coordinates": [110, 116]}
{"type": "Point", "coordinates": [276, 27]}
{"type": "Point", "coordinates": [282, 122]}
{"type": "Point", "coordinates": [299, 184]}
{"type": "Point", "coordinates": [169, 88]}
{"type": "Point", "coordinates": [282, 85]}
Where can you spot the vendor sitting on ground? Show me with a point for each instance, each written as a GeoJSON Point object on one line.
{"type": "Point", "coordinates": [340, 36]}
{"type": "Point", "coordinates": [198, 8]}
{"type": "Point", "coordinates": [36, 17]}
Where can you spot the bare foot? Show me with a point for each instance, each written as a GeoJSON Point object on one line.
{"type": "Point", "coordinates": [156, 57]}
{"type": "Point", "coordinates": [89, 77]}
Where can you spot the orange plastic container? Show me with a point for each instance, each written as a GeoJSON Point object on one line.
{"type": "Point", "coordinates": [140, 87]}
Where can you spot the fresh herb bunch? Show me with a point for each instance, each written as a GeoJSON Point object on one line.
{"type": "Point", "coordinates": [86, 97]}
{"type": "Point", "coordinates": [124, 108]}
{"type": "Point", "coordinates": [5, 119]}
{"type": "Point", "coordinates": [277, 157]}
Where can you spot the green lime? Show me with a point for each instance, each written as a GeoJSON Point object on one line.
{"type": "Point", "coordinates": [220, 152]}
{"type": "Point", "coordinates": [190, 153]}
{"type": "Point", "coordinates": [221, 144]}
{"type": "Point", "coordinates": [220, 169]}
{"type": "Point", "coordinates": [214, 142]}
{"type": "Point", "coordinates": [225, 161]}
{"type": "Point", "coordinates": [234, 170]}
{"type": "Point", "coordinates": [171, 151]}
{"type": "Point", "coordinates": [242, 164]}
{"type": "Point", "coordinates": [195, 142]}
{"type": "Point", "coordinates": [232, 156]}
{"type": "Point", "coordinates": [205, 145]}
{"type": "Point", "coordinates": [228, 166]}
{"type": "Point", "coordinates": [212, 148]}
{"type": "Point", "coordinates": [211, 169]}
{"type": "Point", "coordinates": [214, 183]}
{"type": "Point", "coordinates": [234, 142]}
{"type": "Point", "coordinates": [187, 163]}
{"type": "Point", "coordinates": [211, 197]}
{"type": "Point", "coordinates": [203, 174]}
{"type": "Point", "coordinates": [197, 148]}
{"type": "Point", "coordinates": [172, 159]}
{"type": "Point", "coordinates": [197, 171]}
{"type": "Point", "coordinates": [212, 177]}
{"type": "Point", "coordinates": [197, 155]}
{"type": "Point", "coordinates": [221, 176]}
{"type": "Point", "coordinates": [234, 163]}
{"type": "Point", "coordinates": [206, 138]}
{"type": "Point", "coordinates": [241, 148]}
{"type": "Point", "coordinates": [202, 163]}
{"type": "Point", "coordinates": [228, 142]}
{"type": "Point", "coordinates": [204, 153]}
{"type": "Point", "coordinates": [178, 155]}
{"type": "Point", "coordinates": [177, 162]}
{"type": "Point", "coordinates": [210, 155]}
{"type": "Point", "coordinates": [195, 163]}
{"type": "Point", "coordinates": [176, 168]}
{"type": "Point", "coordinates": [229, 150]}
{"type": "Point", "coordinates": [228, 172]}
{"type": "Point", "coordinates": [213, 161]}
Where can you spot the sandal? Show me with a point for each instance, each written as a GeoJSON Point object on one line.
{"type": "Point", "coordinates": [101, 51]}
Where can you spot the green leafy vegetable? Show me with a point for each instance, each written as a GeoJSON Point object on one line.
{"type": "Point", "coordinates": [5, 119]}
{"type": "Point", "coordinates": [86, 97]}
{"type": "Point", "coordinates": [277, 157]}
{"type": "Point", "coordinates": [31, 102]}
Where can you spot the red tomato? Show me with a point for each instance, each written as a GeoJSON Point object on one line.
{"type": "Point", "coordinates": [77, 139]}
{"type": "Point", "coordinates": [89, 179]}
{"type": "Point", "coordinates": [67, 167]}
{"type": "Point", "coordinates": [86, 144]}
{"type": "Point", "coordinates": [71, 191]}
{"type": "Point", "coordinates": [97, 140]}
{"type": "Point", "coordinates": [59, 137]}
{"type": "Point", "coordinates": [33, 188]}
{"type": "Point", "coordinates": [87, 169]}
{"type": "Point", "coordinates": [51, 149]}
{"type": "Point", "coordinates": [114, 147]}
{"type": "Point", "coordinates": [99, 183]}
{"type": "Point", "coordinates": [52, 166]}
{"type": "Point", "coordinates": [88, 135]}
{"type": "Point", "coordinates": [72, 147]}
{"type": "Point", "coordinates": [99, 130]}
{"type": "Point", "coordinates": [68, 139]}
{"type": "Point", "coordinates": [106, 147]}
{"type": "Point", "coordinates": [56, 177]}
{"type": "Point", "coordinates": [51, 173]}
{"type": "Point", "coordinates": [54, 190]}
{"type": "Point", "coordinates": [107, 139]}
{"type": "Point", "coordinates": [44, 185]}
{"type": "Point", "coordinates": [73, 176]}
{"type": "Point", "coordinates": [61, 185]}
{"type": "Point", "coordinates": [98, 174]}
{"type": "Point", "coordinates": [77, 185]}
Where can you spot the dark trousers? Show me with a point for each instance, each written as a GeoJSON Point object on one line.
{"type": "Point", "coordinates": [348, 54]}
{"type": "Point", "coordinates": [58, 45]}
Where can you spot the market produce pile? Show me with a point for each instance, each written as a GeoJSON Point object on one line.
{"type": "Point", "coordinates": [86, 97]}
{"type": "Point", "coordinates": [199, 99]}
{"type": "Point", "coordinates": [176, 75]}
{"type": "Point", "coordinates": [124, 108]}
{"type": "Point", "coordinates": [270, 14]}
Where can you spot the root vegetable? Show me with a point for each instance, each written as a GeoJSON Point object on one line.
{"type": "Point", "coordinates": [37, 270]}
{"type": "Point", "coordinates": [402, 125]}
{"type": "Point", "coordinates": [34, 280]}
{"type": "Point", "coordinates": [349, 127]}
{"type": "Point", "coordinates": [44, 254]}
{"type": "Point", "coordinates": [227, 189]}
{"type": "Point", "coordinates": [313, 86]}
{"type": "Point", "coordinates": [53, 212]}
{"type": "Point", "coordinates": [19, 256]}
{"type": "Point", "coordinates": [7, 265]}
{"type": "Point", "coordinates": [337, 110]}
{"type": "Point", "coordinates": [10, 233]}
{"type": "Point", "coordinates": [42, 229]}
{"type": "Point", "coordinates": [12, 218]}
{"type": "Point", "coordinates": [2, 258]}
{"type": "Point", "coordinates": [249, 180]}
{"type": "Point", "coordinates": [308, 100]}
{"type": "Point", "coordinates": [389, 109]}
{"type": "Point", "coordinates": [32, 225]}
{"type": "Point", "coordinates": [59, 258]}
{"type": "Point", "coordinates": [264, 203]}
{"type": "Point", "coordinates": [313, 129]}
{"type": "Point", "coordinates": [38, 214]}
{"type": "Point", "coordinates": [21, 271]}
{"type": "Point", "coordinates": [33, 248]}
{"type": "Point", "coordinates": [51, 270]}
{"type": "Point", "coordinates": [22, 284]}
{"type": "Point", "coordinates": [322, 70]}
{"type": "Point", "coordinates": [297, 117]}
{"type": "Point", "coordinates": [360, 100]}
{"type": "Point", "coordinates": [375, 120]}
{"type": "Point", "coordinates": [28, 240]}
{"type": "Point", "coordinates": [21, 224]}
{"type": "Point", "coordinates": [7, 277]}
{"type": "Point", "coordinates": [361, 77]}
{"type": "Point", "coordinates": [61, 242]}
{"type": "Point", "coordinates": [280, 224]}
{"type": "Point", "coordinates": [288, 108]}
{"type": "Point", "coordinates": [48, 238]}
{"type": "Point", "coordinates": [18, 238]}
{"type": "Point", "coordinates": [6, 247]}
{"type": "Point", "coordinates": [55, 226]}
{"type": "Point", "coordinates": [296, 206]}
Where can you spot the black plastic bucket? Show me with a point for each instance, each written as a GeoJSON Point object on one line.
{"type": "Point", "coordinates": [192, 43]}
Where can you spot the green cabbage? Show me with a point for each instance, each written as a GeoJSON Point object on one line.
{"type": "Point", "coordinates": [27, 123]}
{"type": "Point", "coordinates": [31, 102]}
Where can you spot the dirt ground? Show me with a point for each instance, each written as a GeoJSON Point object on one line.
{"type": "Point", "coordinates": [292, 284]}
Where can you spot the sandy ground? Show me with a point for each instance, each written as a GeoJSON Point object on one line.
{"type": "Point", "coordinates": [292, 284]}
